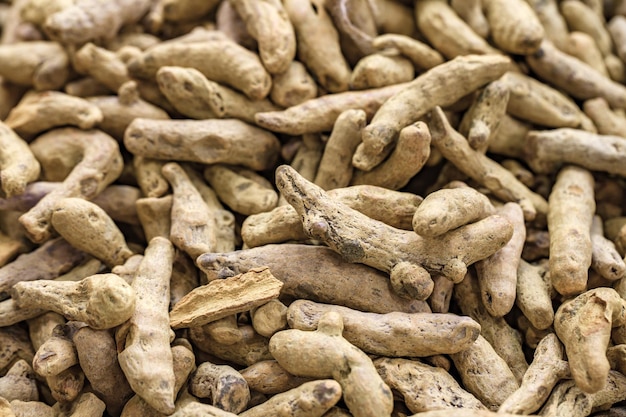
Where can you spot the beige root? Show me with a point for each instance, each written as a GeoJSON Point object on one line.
{"type": "Point", "coordinates": [461, 205]}
{"type": "Point", "coordinates": [393, 334]}
{"type": "Point", "coordinates": [515, 28]}
{"type": "Point", "coordinates": [225, 330]}
{"type": "Point", "coordinates": [88, 20]}
{"type": "Point", "coordinates": [447, 32]}
{"type": "Point", "coordinates": [225, 387]}
{"type": "Point", "coordinates": [269, 318]}
{"type": "Point", "coordinates": [40, 111]}
{"type": "Point", "coordinates": [405, 255]}
{"type": "Point", "coordinates": [206, 141]}
{"type": "Point", "coordinates": [606, 120]}
{"type": "Point", "coordinates": [138, 338]}
{"type": "Point", "coordinates": [251, 349]}
{"type": "Point", "coordinates": [238, 68]}
{"type": "Point", "coordinates": [243, 190]}
{"type": "Point", "coordinates": [380, 69]}
{"type": "Point", "coordinates": [533, 294]}
{"type": "Point", "coordinates": [194, 96]}
{"type": "Point", "coordinates": [57, 353]}
{"type": "Point", "coordinates": [319, 114]}
{"type": "Point", "coordinates": [15, 346]}
{"type": "Point", "coordinates": [293, 87]}
{"type": "Point", "coordinates": [503, 339]}
{"type": "Point", "coordinates": [582, 46]}
{"type": "Point", "coordinates": [98, 162]}
{"type": "Point", "coordinates": [149, 177]}
{"type": "Point", "coordinates": [19, 383]}
{"type": "Point", "coordinates": [584, 326]}
{"type": "Point", "coordinates": [574, 76]}
{"type": "Point", "coordinates": [420, 54]}
{"type": "Point", "coordinates": [546, 150]}
{"type": "Point", "coordinates": [330, 280]}
{"type": "Point", "coordinates": [325, 353]}
{"type": "Point", "coordinates": [192, 227]}
{"type": "Point", "coordinates": [471, 11]}
{"type": "Point", "coordinates": [570, 216]}
{"type": "Point", "coordinates": [267, 22]}
{"type": "Point", "coordinates": [309, 399]}
{"type": "Point", "coordinates": [236, 294]}
{"type": "Point", "coordinates": [102, 301]}
{"type": "Point", "coordinates": [424, 387]}
{"type": "Point", "coordinates": [545, 371]}
{"type": "Point", "coordinates": [45, 66]}
{"type": "Point", "coordinates": [436, 87]}
{"type": "Point", "coordinates": [318, 44]}
{"type": "Point", "coordinates": [538, 103]}
{"type": "Point", "coordinates": [335, 168]}
{"type": "Point", "coordinates": [604, 257]}
{"type": "Point", "coordinates": [407, 159]}
{"type": "Point", "coordinates": [66, 386]}
{"type": "Point", "coordinates": [18, 165]}
{"type": "Point", "coordinates": [497, 275]}
{"type": "Point", "coordinates": [501, 182]}
{"type": "Point", "coordinates": [268, 377]}
{"type": "Point", "coordinates": [485, 374]}
{"type": "Point", "coordinates": [581, 18]}
{"type": "Point", "coordinates": [154, 216]}
{"type": "Point", "coordinates": [87, 227]}
{"type": "Point", "coordinates": [102, 65]}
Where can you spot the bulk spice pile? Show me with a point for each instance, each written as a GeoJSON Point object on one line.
{"type": "Point", "coordinates": [312, 208]}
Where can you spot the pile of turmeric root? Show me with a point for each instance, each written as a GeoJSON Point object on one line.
{"type": "Point", "coordinates": [305, 208]}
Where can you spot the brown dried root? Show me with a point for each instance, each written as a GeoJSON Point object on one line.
{"type": "Point", "coordinates": [144, 341]}
{"type": "Point", "coordinates": [97, 355]}
{"type": "Point", "coordinates": [567, 399]}
{"type": "Point", "coordinates": [436, 87]}
{"type": "Point", "coordinates": [225, 330]}
{"type": "Point", "coordinates": [15, 346]}
{"type": "Point", "coordinates": [155, 216]}
{"type": "Point", "coordinates": [447, 32]}
{"type": "Point", "coordinates": [225, 387]}
{"type": "Point", "coordinates": [405, 255]}
{"type": "Point", "coordinates": [315, 273]}
{"type": "Point", "coordinates": [421, 55]}
{"type": "Point", "coordinates": [309, 399]}
{"type": "Point", "coordinates": [485, 374]}
{"type": "Point", "coordinates": [102, 301]}
{"type": "Point", "coordinates": [18, 165]}
{"type": "Point", "coordinates": [407, 159]}
{"type": "Point", "coordinates": [606, 120]}
{"type": "Point", "coordinates": [98, 162]}
{"type": "Point", "coordinates": [251, 349]}
{"type": "Point", "coordinates": [206, 141]}
{"type": "Point", "coordinates": [545, 371]}
{"type": "Point", "coordinates": [604, 256]}
{"type": "Point", "coordinates": [501, 182]}
{"type": "Point", "coordinates": [88, 20]}
{"type": "Point", "coordinates": [570, 216]}
{"type": "Point", "coordinates": [514, 26]}
{"type": "Point", "coordinates": [40, 111]}
{"type": "Point", "coordinates": [268, 377]}
{"type": "Point", "coordinates": [57, 353]}
{"type": "Point", "coordinates": [44, 67]}
{"type": "Point", "coordinates": [424, 387]}
{"type": "Point", "coordinates": [87, 227]}
{"type": "Point", "coordinates": [185, 10]}
{"type": "Point", "coordinates": [574, 76]}
{"type": "Point", "coordinates": [584, 326]}
{"type": "Point", "coordinates": [243, 190]}
{"type": "Point", "coordinates": [497, 275]}
{"type": "Point", "coordinates": [28, 409]}
{"type": "Point", "coordinates": [325, 353]}
{"type": "Point", "coordinates": [335, 168]}
{"type": "Point", "coordinates": [319, 114]}
{"type": "Point", "coordinates": [546, 150]}
{"type": "Point", "coordinates": [236, 294]}
{"type": "Point", "coordinates": [269, 318]}
{"type": "Point", "coordinates": [238, 68]}
{"type": "Point", "coordinates": [192, 227]}
{"type": "Point", "coordinates": [19, 383]}
{"type": "Point", "coordinates": [393, 334]}
{"type": "Point", "coordinates": [267, 22]}
{"type": "Point", "coordinates": [318, 44]}
{"type": "Point", "coordinates": [48, 261]}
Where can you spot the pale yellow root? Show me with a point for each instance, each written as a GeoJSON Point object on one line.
{"type": "Point", "coordinates": [18, 165]}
